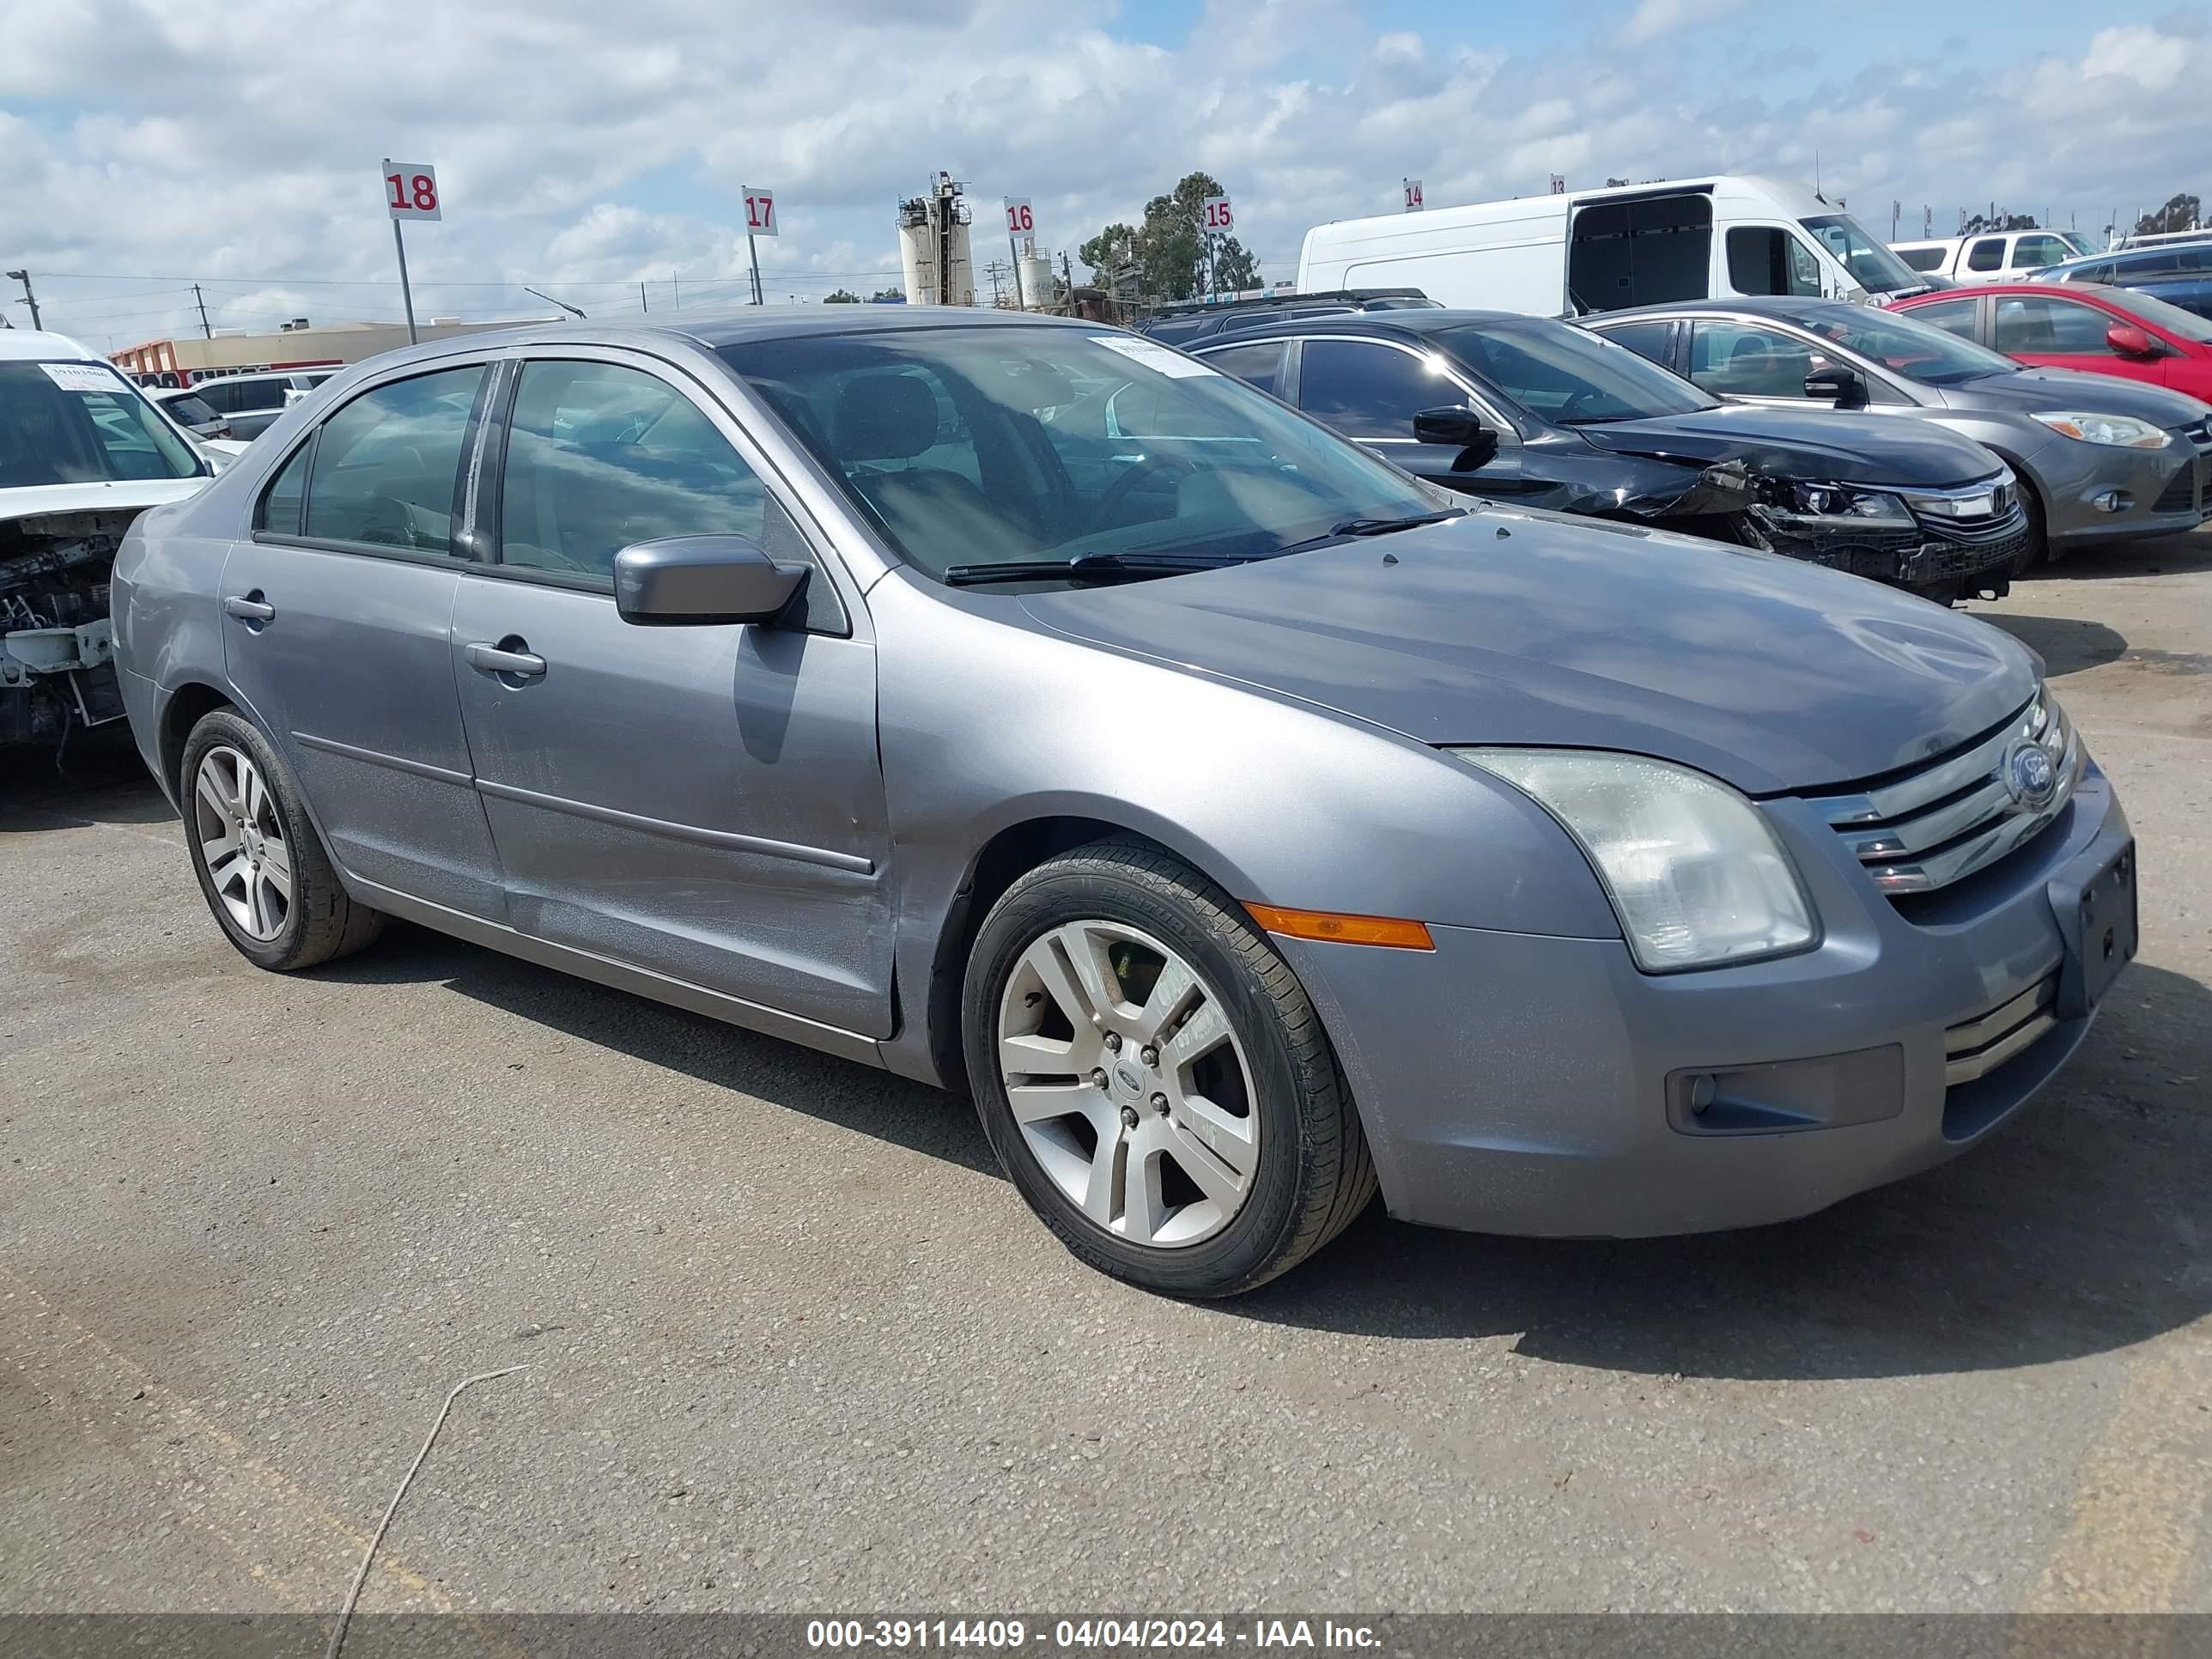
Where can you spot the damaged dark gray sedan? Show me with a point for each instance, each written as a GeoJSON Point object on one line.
{"type": "Point", "coordinates": [1543, 414]}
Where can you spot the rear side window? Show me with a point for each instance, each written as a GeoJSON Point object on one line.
{"type": "Point", "coordinates": [1922, 258]}
{"type": "Point", "coordinates": [1764, 259]}
{"type": "Point", "coordinates": [253, 396]}
{"type": "Point", "coordinates": [278, 511]}
{"type": "Point", "coordinates": [1653, 340]}
{"type": "Point", "coordinates": [192, 411]}
{"type": "Point", "coordinates": [599, 456]}
{"type": "Point", "coordinates": [1370, 391]}
{"type": "Point", "coordinates": [1254, 365]}
{"type": "Point", "coordinates": [386, 466]}
{"type": "Point", "coordinates": [1956, 316]}
{"type": "Point", "coordinates": [1988, 254]}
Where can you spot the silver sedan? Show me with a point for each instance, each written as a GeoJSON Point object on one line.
{"type": "Point", "coordinates": [1024, 706]}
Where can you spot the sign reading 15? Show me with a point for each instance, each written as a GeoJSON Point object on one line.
{"type": "Point", "coordinates": [760, 211]}
{"type": "Point", "coordinates": [1219, 218]}
{"type": "Point", "coordinates": [410, 190]}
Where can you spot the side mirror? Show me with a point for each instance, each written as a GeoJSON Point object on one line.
{"type": "Point", "coordinates": [1838, 385]}
{"type": "Point", "coordinates": [1461, 428]}
{"type": "Point", "coordinates": [2129, 341]}
{"type": "Point", "coordinates": [698, 580]}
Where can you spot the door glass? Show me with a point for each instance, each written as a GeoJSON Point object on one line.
{"type": "Point", "coordinates": [2032, 326]}
{"type": "Point", "coordinates": [1652, 340]}
{"type": "Point", "coordinates": [599, 456]}
{"type": "Point", "coordinates": [2031, 252]}
{"type": "Point", "coordinates": [1742, 360]}
{"type": "Point", "coordinates": [1370, 391]}
{"type": "Point", "coordinates": [1988, 254]}
{"type": "Point", "coordinates": [386, 465]}
{"type": "Point", "coordinates": [1766, 259]}
{"type": "Point", "coordinates": [1952, 316]}
{"type": "Point", "coordinates": [278, 511]}
{"type": "Point", "coordinates": [1254, 365]}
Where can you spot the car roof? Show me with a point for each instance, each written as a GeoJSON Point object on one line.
{"type": "Point", "coordinates": [43, 345]}
{"type": "Point", "coordinates": [2104, 291]}
{"type": "Point", "coordinates": [1416, 320]}
{"type": "Point", "coordinates": [1787, 307]}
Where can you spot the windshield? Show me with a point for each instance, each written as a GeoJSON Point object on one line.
{"type": "Point", "coordinates": [971, 447]}
{"type": "Point", "coordinates": [1569, 376]}
{"type": "Point", "coordinates": [69, 422]}
{"type": "Point", "coordinates": [1918, 351]}
{"type": "Point", "coordinates": [1873, 266]}
{"type": "Point", "coordinates": [2186, 325]}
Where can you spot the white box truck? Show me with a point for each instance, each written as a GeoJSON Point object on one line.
{"type": "Point", "coordinates": [1600, 250]}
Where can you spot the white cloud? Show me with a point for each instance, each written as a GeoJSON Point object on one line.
{"type": "Point", "coordinates": [1653, 18]}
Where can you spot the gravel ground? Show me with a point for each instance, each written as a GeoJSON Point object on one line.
{"type": "Point", "coordinates": [793, 1343]}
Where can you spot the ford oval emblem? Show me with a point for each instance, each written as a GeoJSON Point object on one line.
{"type": "Point", "coordinates": [1130, 1082]}
{"type": "Point", "coordinates": [2030, 776]}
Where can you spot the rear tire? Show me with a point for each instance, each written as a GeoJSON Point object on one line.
{"type": "Point", "coordinates": [1217, 1061]}
{"type": "Point", "coordinates": [262, 868]}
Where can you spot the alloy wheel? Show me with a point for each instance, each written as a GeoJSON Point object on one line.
{"type": "Point", "coordinates": [1123, 1071]}
{"type": "Point", "coordinates": [241, 842]}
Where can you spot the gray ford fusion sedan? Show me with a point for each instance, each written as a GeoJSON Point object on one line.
{"type": "Point", "coordinates": [1245, 823]}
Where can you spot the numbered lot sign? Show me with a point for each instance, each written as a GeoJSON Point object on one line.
{"type": "Point", "coordinates": [760, 211]}
{"type": "Point", "coordinates": [1412, 196]}
{"type": "Point", "coordinates": [1020, 222]}
{"type": "Point", "coordinates": [411, 191]}
{"type": "Point", "coordinates": [1219, 221]}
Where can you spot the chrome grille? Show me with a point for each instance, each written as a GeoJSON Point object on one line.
{"type": "Point", "coordinates": [1975, 1048]}
{"type": "Point", "coordinates": [1983, 511]}
{"type": "Point", "coordinates": [1941, 823]}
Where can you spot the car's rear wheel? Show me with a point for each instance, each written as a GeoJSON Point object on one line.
{"type": "Point", "coordinates": [261, 866]}
{"type": "Point", "coordinates": [1154, 1078]}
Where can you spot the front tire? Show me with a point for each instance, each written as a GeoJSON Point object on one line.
{"type": "Point", "coordinates": [262, 868]}
{"type": "Point", "coordinates": [1155, 1080]}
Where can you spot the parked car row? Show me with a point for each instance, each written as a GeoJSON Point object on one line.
{"type": "Point", "coordinates": [1244, 822]}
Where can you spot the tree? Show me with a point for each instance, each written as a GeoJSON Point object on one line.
{"type": "Point", "coordinates": [2182, 212]}
{"type": "Point", "coordinates": [843, 296]}
{"type": "Point", "coordinates": [1994, 221]}
{"type": "Point", "coordinates": [884, 295]}
{"type": "Point", "coordinates": [1169, 248]}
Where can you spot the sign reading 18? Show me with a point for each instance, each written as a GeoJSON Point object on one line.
{"type": "Point", "coordinates": [418, 192]}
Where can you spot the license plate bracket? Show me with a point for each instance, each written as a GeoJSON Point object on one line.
{"type": "Point", "coordinates": [2098, 919]}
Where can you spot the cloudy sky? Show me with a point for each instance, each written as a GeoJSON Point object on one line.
{"type": "Point", "coordinates": [584, 146]}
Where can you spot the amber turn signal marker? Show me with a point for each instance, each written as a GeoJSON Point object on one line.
{"type": "Point", "coordinates": [1343, 930]}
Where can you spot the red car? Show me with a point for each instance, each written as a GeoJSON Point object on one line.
{"type": "Point", "coordinates": [2106, 331]}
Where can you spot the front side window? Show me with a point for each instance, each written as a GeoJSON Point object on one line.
{"type": "Point", "coordinates": [1952, 316]}
{"type": "Point", "coordinates": [1764, 259]}
{"type": "Point", "coordinates": [1988, 254]}
{"type": "Point", "coordinates": [83, 423]}
{"type": "Point", "coordinates": [2033, 252]}
{"type": "Point", "coordinates": [1254, 365]}
{"type": "Point", "coordinates": [2031, 325]}
{"type": "Point", "coordinates": [191, 412]}
{"type": "Point", "coordinates": [386, 466]}
{"type": "Point", "coordinates": [1069, 444]}
{"type": "Point", "coordinates": [601, 455]}
{"type": "Point", "coordinates": [1369, 391]}
{"type": "Point", "coordinates": [1747, 360]}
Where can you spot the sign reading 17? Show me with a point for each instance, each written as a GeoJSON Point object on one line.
{"type": "Point", "coordinates": [411, 191]}
{"type": "Point", "coordinates": [1219, 220]}
{"type": "Point", "coordinates": [760, 211]}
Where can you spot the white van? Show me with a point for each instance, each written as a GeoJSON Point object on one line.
{"type": "Point", "coordinates": [1999, 257]}
{"type": "Point", "coordinates": [1600, 250]}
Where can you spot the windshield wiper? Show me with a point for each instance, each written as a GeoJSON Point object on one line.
{"type": "Point", "coordinates": [1352, 527]}
{"type": "Point", "coordinates": [1090, 564]}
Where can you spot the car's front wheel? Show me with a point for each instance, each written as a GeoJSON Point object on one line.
{"type": "Point", "coordinates": [1154, 1078]}
{"type": "Point", "coordinates": [261, 866]}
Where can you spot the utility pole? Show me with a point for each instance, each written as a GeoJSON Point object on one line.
{"type": "Point", "coordinates": [204, 329]}
{"type": "Point", "coordinates": [641, 305]}
{"type": "Point", "coordinates": [675, 293]}
{"type": "Point", "coordinates": [29, 298]}
{"type": "Point", "coordinates": [992, 271]}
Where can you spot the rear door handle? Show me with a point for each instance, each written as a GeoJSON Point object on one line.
{"type": "Point", "coordinates": [494, 660]}
{"type": "Point", "coordinates": [249, 608]}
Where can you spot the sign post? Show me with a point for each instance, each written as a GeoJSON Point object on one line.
{"type": "Point", "coordinates": [410, 192]}
{"type": "Point", "coordinates": [1220, 219]}
{"type": "Point", "coordinates": [1020, 222]}
{"type": "Point", "coordinates": [760, 221]}
{"type": "Point", "coordinates": [1412, 195]}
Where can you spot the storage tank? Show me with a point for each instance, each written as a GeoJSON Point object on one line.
{"type": "Point", "coordinates": [1035, 268]}
{"type": "Point", "coordinates": [934, 255]}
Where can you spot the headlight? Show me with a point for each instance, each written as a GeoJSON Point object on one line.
{"type": "Point", "coordinates": [1693, 868]}
{"type": "Point", "coordinates": [2120, 431]}
{"type": "Point", "coordinates": [1832, 500]}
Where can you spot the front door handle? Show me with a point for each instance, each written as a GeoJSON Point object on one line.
{"type": "Point", "coordinates": [496, 660]}
{"type": "Point", "coordinates": [250, 607]}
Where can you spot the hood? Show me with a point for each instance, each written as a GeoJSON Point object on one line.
{"type": "Point", "coordinates": [130, 495]}
{"type": "Point", "coordinates": [2032, 389]}
{"type": "Point", "coordinates": [1814, 444]}
{"type": "Point", "coordinates": [1521, 627]}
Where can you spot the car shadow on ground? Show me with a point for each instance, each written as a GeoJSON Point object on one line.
{"type": "Point", "coordinates": [2160, 556]}
{"type": "Point", "coordinates": [2067, 644]}
{"type": "Point", "coordinates": [100, 780]}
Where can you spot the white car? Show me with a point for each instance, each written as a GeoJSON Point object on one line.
{"type": "Point", "coordinates": [83, 452]}
{"type": "Point", "coordinates": [1998, 256]}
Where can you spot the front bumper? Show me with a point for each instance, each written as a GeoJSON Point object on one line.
{"type": "Point", "coordinates": [1525, 1083]}
{"type": "Point", "coordinates": [2167, 490]}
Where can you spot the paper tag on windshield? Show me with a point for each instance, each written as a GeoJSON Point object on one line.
{"type": "Point", "coordinates": [81, 377]}
{"type": "Point", "coordinates": [1153, 355]}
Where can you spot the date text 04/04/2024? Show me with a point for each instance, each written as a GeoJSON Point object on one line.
{"type": "Point", "coordinates": [1085, 1634]}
